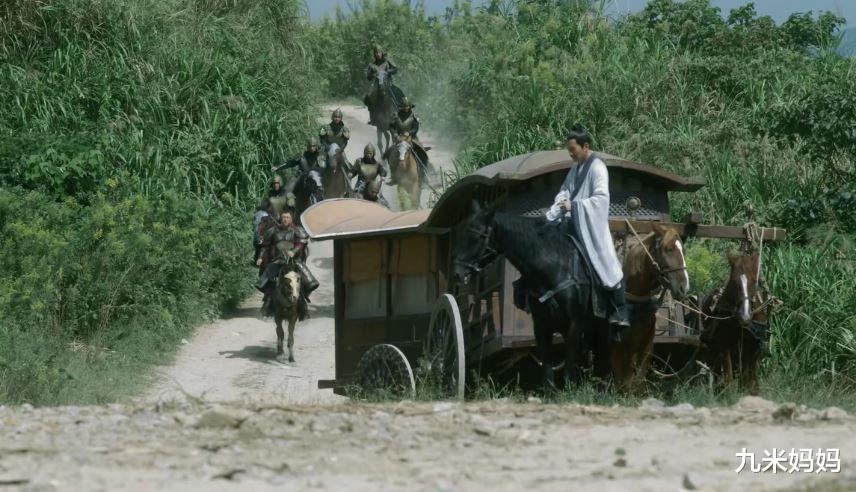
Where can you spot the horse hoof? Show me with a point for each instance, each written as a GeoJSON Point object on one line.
{"type": "Point", "coordinates": [280, 357]}
{"type": "Point", "coordinates": [291, 359]}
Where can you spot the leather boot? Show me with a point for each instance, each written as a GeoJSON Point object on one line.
{"type": "Point", "coordinates": [309, 281]}
{"type": "Point", "coordinates": [618, 317]}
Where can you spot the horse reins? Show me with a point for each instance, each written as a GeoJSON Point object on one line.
{"type": "Point", "coordinates": [661, 273]}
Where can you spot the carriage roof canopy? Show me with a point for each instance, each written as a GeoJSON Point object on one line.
{"type": "Point", "coordinates": [525, 167]}
{"type": "Point", "coordinates": [345, 217]}
{"type": "Point", "coordinates": [340, 218]}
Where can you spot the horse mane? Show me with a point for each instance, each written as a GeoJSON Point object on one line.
{"type": "Point", "coordinates": [635, 258]}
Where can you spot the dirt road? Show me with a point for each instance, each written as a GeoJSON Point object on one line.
{"type": "Point", "coordinates": [234, 358]}
{"type": "Point", "coordinates": [494, 446]}
{"type": "Point", "coordinates": [227, 416]}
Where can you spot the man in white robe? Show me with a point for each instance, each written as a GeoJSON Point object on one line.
{"type": "Point", "coordinates": [583, 203]}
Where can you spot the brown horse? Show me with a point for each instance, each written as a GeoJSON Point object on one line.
{"type": "Point", "coordinates": [735, 324]}
{"type": "Point", "coordinates": [405, 169]}
{"type": "Point", "coordinates": [335, 178]}
{"type": "Point", "coordinates": [286, 299]}
{"type": "Point", "coordinates": [646, 277]}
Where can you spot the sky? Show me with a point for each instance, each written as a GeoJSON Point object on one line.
{"type": "Point", "coordinates": [779, 10]}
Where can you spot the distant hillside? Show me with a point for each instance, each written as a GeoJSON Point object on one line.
{"type": "Point", "coordinates": [848, 42]}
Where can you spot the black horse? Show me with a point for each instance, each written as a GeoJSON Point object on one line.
{"type": "Point", "coordinates": [557, 278]}
{"type": "Point", "coordinates": [307, 192]}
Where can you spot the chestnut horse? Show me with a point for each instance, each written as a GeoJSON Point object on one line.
{"type": "Point", "coordinates": [286, 307]}
{"type": "Point", "coordinates": [735, 324]}
{"type": "Point", "coordinates": [405, 169]}
{"type": "Point", "coordinates": [652, 264]}
{"type": "Point", "coordinates": [335, 178]}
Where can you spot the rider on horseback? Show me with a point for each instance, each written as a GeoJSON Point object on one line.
{"type": "Point", "coordinates": [380, 64]}
{"type": "Point", "coordinates": [335, 132]}
{"type": "Point", "coordinates": [309, 163]}
{"type": "Point", "coordinates": [582, 204]}
{"type": "Point", "coordinates": [282, 245]}
{"type": "Point", "coordinates": [369, 172]}
{"type": "Point", "coordinates": [406, 123]}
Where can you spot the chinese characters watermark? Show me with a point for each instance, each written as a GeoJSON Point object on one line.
{"type": "Point", "coordinates": [803, 460]}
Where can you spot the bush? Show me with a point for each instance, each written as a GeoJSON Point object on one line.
{"type": "Point", "coordinates": [91, 277]}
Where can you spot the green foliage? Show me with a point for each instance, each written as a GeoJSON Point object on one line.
{"type": "Point", "coordinates": [132, 136]}
{"type": "Point", "coordinates": [184, 94]}
{"type": "Point", "coordinates": [94, 275]}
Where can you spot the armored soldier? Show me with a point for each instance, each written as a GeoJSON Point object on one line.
{"type": "Point", "coordinates": [261, 215]}
{"type": "Point", "coordinates": [380, 64]}
{"type": "Point", "coordinates": [310, 161]}
{"type": "Point", "coordinates": [283, 244]}
{"type": "Point", "coordinates": [276, 190]}
{"type": "Point", "coordinates": [370, 173]}
{"type": "Point", "coordinates": [335, 132]}
{"type": "Point", "coordinates": [406, 123]}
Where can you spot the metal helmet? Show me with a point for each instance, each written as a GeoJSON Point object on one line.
{"type": "Point", "coordinates": [369, 150]}
{"type": "Point", "coordinates": [312, 142]}
{"type": "Point", "coordinates": [337, 113]}
{"type": "Point", "coordinates": [276, 179]}
{"type": "Point", "coordinates": [378, 49]}
{"type": "Point", "coordinates": [405, 102]}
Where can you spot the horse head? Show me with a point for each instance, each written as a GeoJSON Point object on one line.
{"type": "Point", "coordinates": [473, 250]}
{"type": "Point", "coordinates": [671, 263]}
{"type": "Point", "coordinates": [335, 154]}
{"type": "Point", "coordinates": [403, 146]}
{"type": "Point", "coordinates": [742, 285]}
{"type": "Point", "coordinates": [289, 284]}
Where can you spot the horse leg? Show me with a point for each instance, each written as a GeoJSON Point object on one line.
{"type": "Point", "coordinates": [573, 349]}
{"type": "Point", "coordinates": [380, 146]}
{"type": "Point", "coordinates": [279, 336]}
{"type": "Point", "coordinates": [727, 368]}
{"type": "Point", "coordinates": [415, 191]}
{"type": "Point", "coordinates": [543, 345]}
{"type": "Point", "coordinates": [645, 356]}
{"type": "Point", "coordinates": [291, 322]}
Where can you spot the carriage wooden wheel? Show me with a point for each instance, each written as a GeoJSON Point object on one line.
{"type": "Point", "coordinates": [385, 368]}
{"type": "Point", "coordinates": [444, 348]}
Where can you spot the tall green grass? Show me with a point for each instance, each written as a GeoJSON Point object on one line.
{"type": "Point", "coordinates": [134, 138]}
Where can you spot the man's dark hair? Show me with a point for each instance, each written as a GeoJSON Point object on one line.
{"type": "Point", "coordinates": [579, 133]}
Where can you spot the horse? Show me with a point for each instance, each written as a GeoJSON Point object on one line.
{"type": "Point", "coordinates": [404, 167]}
{"type": "Point", "coordinates": [652, 264]}
{"type": "Point", "coordinates": [335, 177]}
{"type": "Point", "coordinates": [308, 191]}
{"type": "Point", "coordinates": [384, 108]}
{"type": "Point", "coordinates": [556, 275]}
{"type": "Point", "coordinates": [286, 307]}
{"type": "Point", "coordinates": [734, 324]}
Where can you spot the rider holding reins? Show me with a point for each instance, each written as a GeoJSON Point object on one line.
{"type": "Point", "coordinates": [380, 64]}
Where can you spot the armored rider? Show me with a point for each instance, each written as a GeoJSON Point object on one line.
{"type": "Point", "coordinates": [582, 206]}
{"type": "Point", "coordinates": [283, 244]}
{"type": "Point", "coordinates": [368, 171]}
{"type": "Point", "coordinates": [335, 132]}
{"type": "Point", "coordinates": [380, 64]}
{"type": "Point", "coordinates": [276, 190]}
{"type": "Point", "coordinates": [310, 161]}
{"type": "Point", "coordinates": [406, 122]}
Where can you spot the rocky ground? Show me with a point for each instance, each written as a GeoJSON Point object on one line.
{"type": "Point", "coordinates": [271, 445]}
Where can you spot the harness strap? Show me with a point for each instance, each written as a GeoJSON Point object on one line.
{"type": "Point", "coordinates": [555, 290]}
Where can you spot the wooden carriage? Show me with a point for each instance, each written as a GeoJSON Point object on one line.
{"type": "Point", "coordinates": [396, 304]}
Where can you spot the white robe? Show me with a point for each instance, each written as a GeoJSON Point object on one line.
{"type": "Point", "coordinates": [590, 216]}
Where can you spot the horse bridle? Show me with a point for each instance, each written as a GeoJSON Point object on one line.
{"type": "Point", "coordinates": [663, 274]}
{"type": "Point", "coordinates": [486, 252]}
